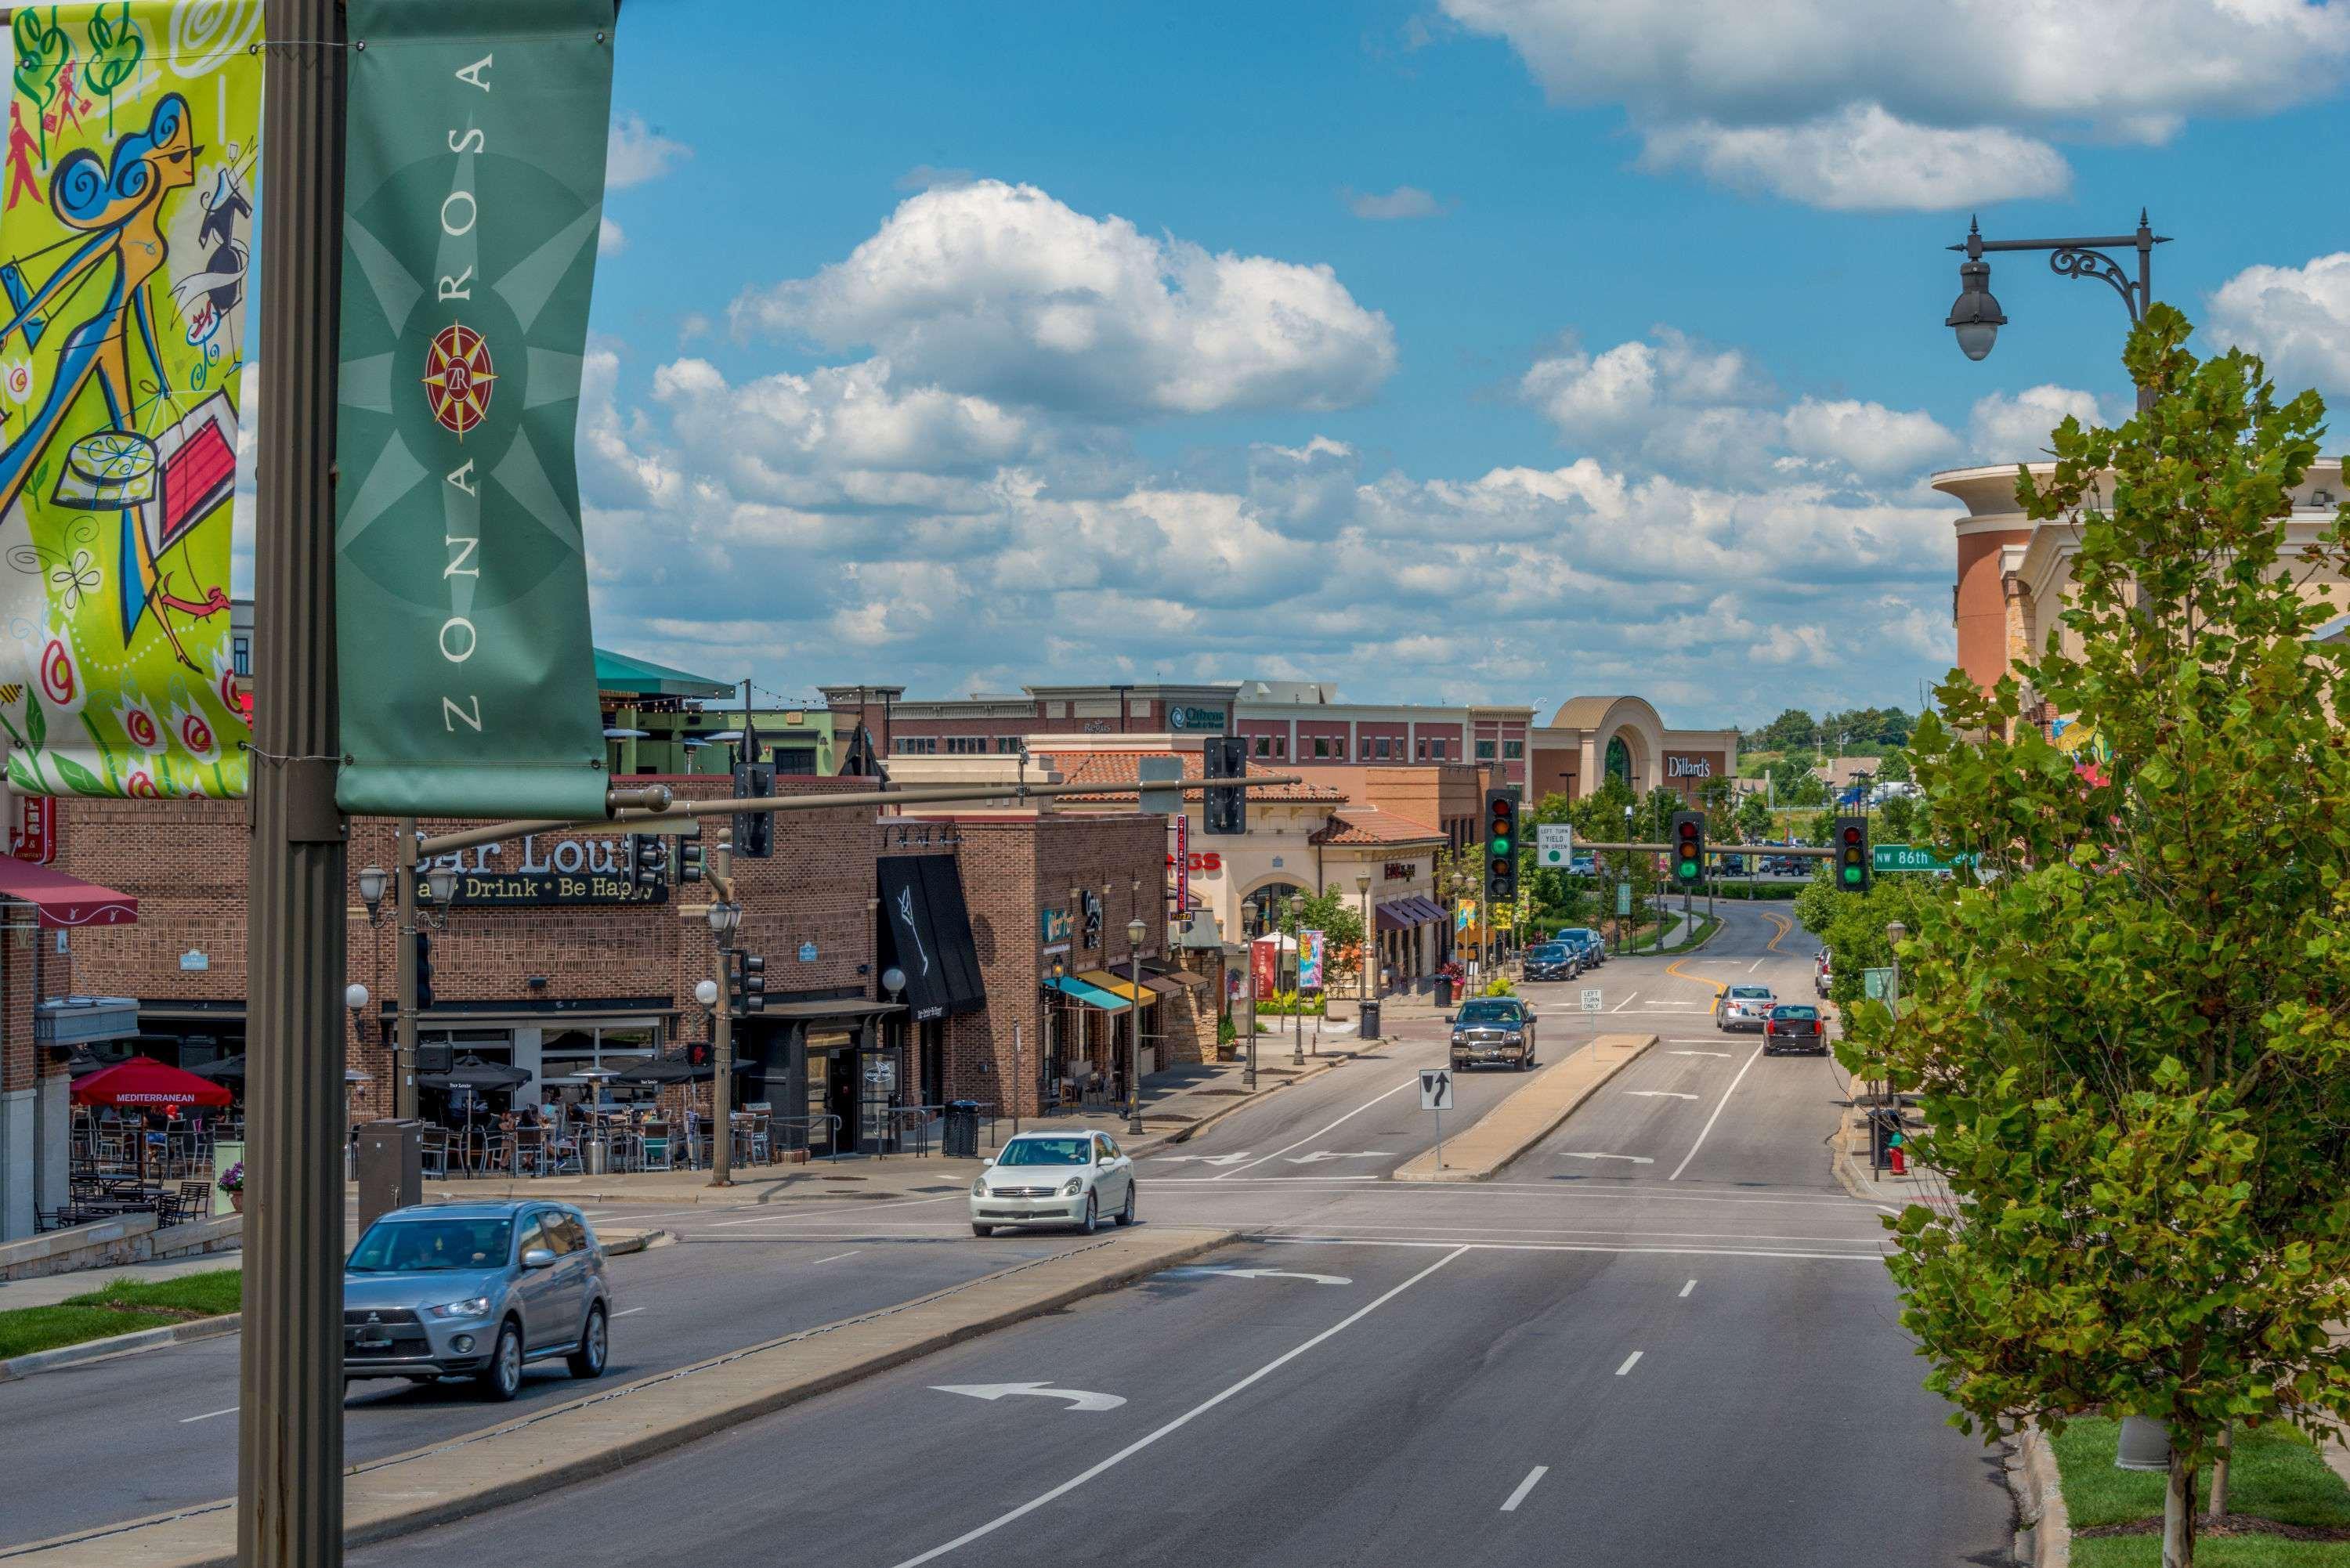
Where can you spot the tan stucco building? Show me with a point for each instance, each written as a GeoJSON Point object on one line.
{"type": "Point", "coordinates": [2013, 574]}
{"type": "Point", "coordinates": [1590, 737]}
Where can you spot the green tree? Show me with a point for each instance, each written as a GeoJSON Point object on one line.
{"type": "Point", "coordinates": [1792, 729]}
{"type": "Point", "coordinates": [1718, 796]}
{"type": "Point", "coordinates": [2131, 1038]}
{"type": "Point", "coordinates": [1895, 769]}
{"type": "Point", "coordinates": [1896, 820]}
{"type": "Point", "coordinates": [1753, 818]}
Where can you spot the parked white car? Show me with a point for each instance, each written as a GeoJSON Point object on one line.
{"type": "Point", "coordinates": [1075, 1177]}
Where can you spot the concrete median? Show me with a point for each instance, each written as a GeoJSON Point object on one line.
{"type": "Point", "coordinates": [1527, 1116]}
{"type": "Point", "coordinates": [617, 1425]}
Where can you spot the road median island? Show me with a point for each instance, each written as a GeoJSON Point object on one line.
{"type": "Point", "coordinates": [614, 1427]}
{"type": "Point", "coordinates": [1528, 1116]}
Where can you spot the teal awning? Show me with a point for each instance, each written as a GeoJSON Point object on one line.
{"type": "Point", "coordinates": [1091, 996]}
{"type": "Point", "coordinates": [620, 673]}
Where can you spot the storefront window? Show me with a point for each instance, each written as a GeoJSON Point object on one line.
{"type": "Point", "coordinates": [614, 1048]}
{"type": "Point", "coordinates": [1619, 759]}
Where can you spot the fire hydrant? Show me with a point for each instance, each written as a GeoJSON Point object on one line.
{"type": "Point", "coordinates": [1896, 1155]}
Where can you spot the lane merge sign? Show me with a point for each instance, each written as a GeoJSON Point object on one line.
{"type": "Point", "coordinates": [1553, 844]}
{"type": "Point", "coordinates": [1435, 1088]}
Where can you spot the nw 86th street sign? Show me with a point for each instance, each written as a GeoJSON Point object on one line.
{"type": "Point", "coordinates": [1909, 857]}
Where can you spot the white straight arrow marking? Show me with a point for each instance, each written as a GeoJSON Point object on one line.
{"type": "Point", "coordinates": [1231, 1273]}
{"type": "Point", "coordinates": [1722, 1053]}
{"type": "Point", "coordinates": [1079, 1398]}
{"type": "Point", "coordinates": [1659, 1095]}
{"type": "Point", "coordinates": [1204, 1158]}
{"type": "Point", "coordinates": [1322, 1153]}
{"type": "Point", "coordinates": [1634, 1158]}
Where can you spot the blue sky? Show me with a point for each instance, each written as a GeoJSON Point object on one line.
{"type": "Point", "coordinates": [1503, 349]}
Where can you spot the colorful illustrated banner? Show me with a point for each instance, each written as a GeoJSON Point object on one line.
{"type": "Point", "coordinates": [127, 228]}
{"type": "Point", "coordinates": [473, 192]}
{"type": "Point", "coordinates": [1264, 957]}
{"type": "Point", "coordinates": [1309, 960]}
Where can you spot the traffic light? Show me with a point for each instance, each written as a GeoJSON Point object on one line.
{"type": "Point", "coordinates": [1225, 810]}
{"type": "Point", "coordinates": [645, 855]}
{"type": "Point", "coordinates": [423, 970]}
{"type": "Point", "coordinates": [1501, 846]}
{"type": "Point", "coordinates": [1852, 867]}
{"type": "Point", "coordinates": [1689, 847]}
{"type": "Point", "coordinates": [746, 983]}
{"type": "Point", "coordinates": [755, 830]}
{"type": "Point", "coordinates": [697, 1052]}
{"type": "Point", "coordinates": [692, 859]}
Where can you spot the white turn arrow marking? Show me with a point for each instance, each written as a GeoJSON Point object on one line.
{"type": "Point", "coordinates": [1724, 1053]}
{"type": "Point", "coordinates": [1205, 1159]}
{"type": "Point", "coordinates": [1263, 1274]}
{"type": "Point", "coordinates": [1659, 1095]}
{"type": "Point", "coordinates": [1322, 1153]}
{"type": "Point", "coordinates": [1634, 1158]}
{"type": "Point", "coordinates": [1079, 1398]}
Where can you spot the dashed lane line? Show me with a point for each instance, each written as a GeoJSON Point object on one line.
{"type": "Point", "coordinates": [1629, 1362]}
{"type": "Point", "coordinates": [1524, 1487]}
{"type": "Point", "coordinates": [1699, 1144]}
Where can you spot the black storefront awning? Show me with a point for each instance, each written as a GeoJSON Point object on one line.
{"type": "Point", "coordinates": [926, 934]}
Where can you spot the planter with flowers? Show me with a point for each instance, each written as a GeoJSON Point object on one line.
{"type": "Point", "coordinates": [231, 1182]}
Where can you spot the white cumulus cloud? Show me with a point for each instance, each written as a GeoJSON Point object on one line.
{"type": "Point", "coordinates": [2013, 427]}
{"type": "Point", "coordinates": [1860, 104]}
{"type": "Point", "coordinates": [610, 241]}
{"type": "Point", "coordinates": [1001, 291]}
{"type": "Point", "coordinates": [2296, 318]}
{"type": "Point", "coordinates": [635, 153]}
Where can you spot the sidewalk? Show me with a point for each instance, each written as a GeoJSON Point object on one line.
{"type": "Point", "coordinates": [1528, 1116]}
{"type": "Point", "coordinates": [1918, 1185]}
{"type": "Point", "coordinates": [48, 1290]}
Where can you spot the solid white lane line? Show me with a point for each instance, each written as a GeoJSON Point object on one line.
{"type": "Point", "coordinates": [1628, 1362]}
{"type": "Point", "coordinates": [1659, 1095]}
{"type": "Point", "coordinates": [1699, 1144]}
{"type": "Point", "coordinates": [1075, 1481]}
{"type": "Point", "coordinates": [1752, 967]}
{"type": "Point", "coordinates": [1524, 1487]}
{"type": "Point", "coordinates": [1875, 1257]}
{"type": "Point", "coordinates": [1411, 1082]}
{"type": "Point", "coordinates": [836, 1217]}
{"type": "Point", "coordinates": [630, 1313]}
{"type": "Point", "coordinates": [1689, 1287]}
{"type": "Point", "coordinates": [208, 1415]}
{"type": "Point", "coordinates": [1626, 1002]}
{"type": "Point", "coordinates": [1576, 1154]}
{"type": "Point", "coordinates": [1622, 1232]}
{"type": "Point", "coordinates": [836, 1257]}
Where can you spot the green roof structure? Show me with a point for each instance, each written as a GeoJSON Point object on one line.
{"type": "Point", "coordinates": [621, 675]}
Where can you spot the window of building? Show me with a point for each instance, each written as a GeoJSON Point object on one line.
{"type": "Point", "coordinates": [1512, 751]}
{"type": "Point", "coordinates": [1422, 752]}
{"type": "Point", "coordinates": [1485, 751]}
{"type": "Point", "coordinates": [1280, 746]}
{"type": "Point", "coordinates": [1338, 747]}
{"type": "Point", "coordinates": [1264, 745]}
{"type": "Point", "coordinates": [1382, 744]}
{"type": "Point", "coordinates": [966, 745]}
{"type": "Point", "coordinates": [1009, 745]}
{"type": "Point", "coordinates": [241, 657]}
{"type": "Point", "coordinates": [1436, 748]}
{"type": "Point", "coordinates": [915, 745]}
{"type": "Point", "coordinates": [1321, 748]}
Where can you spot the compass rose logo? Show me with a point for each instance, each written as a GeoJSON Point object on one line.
{"type": "Point", "coordinates": [459, 379]}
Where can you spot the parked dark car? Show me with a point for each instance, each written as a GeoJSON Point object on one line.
{"type": "Point", "coordinates": [1553, 960]}
{"type": "Point", "coordinates": [1585, 940]}
{"type": "Point", "coordinates": [1794, 1026]}
{"type": "Point", "coordinates": [1494, 1031]}
{"type": "Point", "coordinates": [475, 1290]}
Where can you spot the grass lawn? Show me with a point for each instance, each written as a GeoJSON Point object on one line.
{"type": "Point", "coordinates": [1705, 927]}
{"type": "Point", "coordinates": [2277, 1475]}
{"type": "Point", "coordinates": [121, 1307]}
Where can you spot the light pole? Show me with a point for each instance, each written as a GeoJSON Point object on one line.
{"type": "Point", "coordinates": [725, 916]}
{"type": "Point", "coordinates": [1249, 924]}
{"type": "Point", "coordinates": [1895, 932]}
{"type": "Point", "coordinates": [1625, 930]}
{"type": "Point", "coordinates": [1045, 1062]}
{"type": "Point", "coordinates": [1134, 929]}
{"type": "Point", "coordinates": [1297, 1012]}
{"type": "Point", "coordinates": [1363, 951]}
{"type": "Point", "coordinates": [1976, 317]}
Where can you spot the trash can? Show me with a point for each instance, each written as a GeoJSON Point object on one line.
{"type": "Point", "coordinates": [961, 1135]}
{"type": "Point", "coordinates": [1443, 994]}
{"type": "Point", "coordinates": [391, 1161]}
{"type": "Point", "coordinates": [1370, 1020]}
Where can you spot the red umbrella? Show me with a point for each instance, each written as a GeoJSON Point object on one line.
{"type": "Point", "coordinates": [142, 1083]}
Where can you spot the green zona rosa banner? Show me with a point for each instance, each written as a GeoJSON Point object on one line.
{"type": "Point", "coordinates": [126, 240]}
{"type": "Point", "coordinates": [473, 197]}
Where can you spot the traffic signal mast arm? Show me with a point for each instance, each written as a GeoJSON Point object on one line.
{"type": "Point", "coordinates": [678, 813]}
{"type": "Point", "coordinates": [1797, 851]}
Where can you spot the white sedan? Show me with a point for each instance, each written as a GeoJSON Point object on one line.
{"type": "Point", "coordinates": [1743, 1007]}
{"type": "Point", "coordinates": [1054, 1178]}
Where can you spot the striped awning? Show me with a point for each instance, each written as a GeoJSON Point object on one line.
{"type": "Point", "coordinates": [1078, 991]}
{"type": "Point", "coordinates": [1118, 986]}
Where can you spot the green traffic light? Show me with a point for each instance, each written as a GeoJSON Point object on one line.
{"type": "Point", "coordinates": [1501, 846]}
{"type": "Point", "coordinates": [1852, 872]}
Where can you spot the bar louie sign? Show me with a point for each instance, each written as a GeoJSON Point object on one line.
{"type": "Point", "coordinates": [559, 871]}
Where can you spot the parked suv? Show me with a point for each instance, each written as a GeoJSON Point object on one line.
{"type": "Point", "coordinates": [475, 1290]}
{"type": "Point", "coordinates": [1585, 940]}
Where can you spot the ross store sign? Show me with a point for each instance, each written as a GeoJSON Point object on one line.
{"type": "Point", "coordinates": [1196, 720]}
{"type": "Point", "coordinates": [559, 871]}
{"type": "Point", "coordinates": [1400, 871]}
{"type": "Point", "coordinates": [1689, 767]}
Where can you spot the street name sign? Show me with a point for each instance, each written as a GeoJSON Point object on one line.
{"type": "Point", "coordinates": [1435, 1088]}
{"type": "Point", "coordinates": [1553, 842]}
{"type": "Point", "coordinates": [1155, 774]}
{"type": "Point", "coordinates": [1910, 858]}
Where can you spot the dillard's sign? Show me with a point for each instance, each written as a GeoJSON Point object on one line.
{"type": "Point", "coordinates": [1689, 767]}
{"type": "Point", "coordinates": [549, 871]}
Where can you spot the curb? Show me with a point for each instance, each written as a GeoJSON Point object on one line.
{"type": "Point", "coordinates": [1608, 1071]}
{"type": "Point", "coordinates": [117, 1345]}
{"type": "Point", "coordinates": [420, 1505]}
{"type": "Point", "coordinates": [2043, 1532]}
{"type": "Point", "coordinates": [213, 1327]}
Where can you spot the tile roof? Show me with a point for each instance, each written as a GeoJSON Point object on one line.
{"type": "Point", "coordinates": [1368, 824]}
{"type": "Point", "coordinates": [1116, 770]}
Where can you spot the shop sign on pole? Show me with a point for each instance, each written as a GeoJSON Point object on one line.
{"type": "Point", "coordinates": [1180, 860]}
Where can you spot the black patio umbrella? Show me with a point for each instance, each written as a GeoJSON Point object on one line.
{"type": "Point", "coordinates": [662, 1071]}
{"type": "Point", "coordinates": [472, 1072]}
{"type": "Point", "coordinates": [227, 1070]}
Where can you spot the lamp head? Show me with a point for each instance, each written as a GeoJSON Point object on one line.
{"type": "Point", "coordinates": [705, 991]}
{"type": "Point", "coordinates": [725, 918]}
{"type": "Point", "coordinates": [355, 997]}
{"type": "Point", "coordinates": [1134, 929]}
{"type": "Point", "coordinates": [442, 882]}
{"type": "Point", "coordinates": [1362, 881]}
{"type": "Point", "coordinates": [1976, 317]}
{"type": "Point", "coordinates": [371, 881]}
{"type": "Point", "coordinates": [893, 981]}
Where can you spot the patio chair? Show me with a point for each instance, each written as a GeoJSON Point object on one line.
{"type": "Point", "coordinates": [432, 1151]}
{"type": "Point", "coordinates": [195, 1203]}
{"type": "Point", "coordinates": [530, 1151]}
{"type": "Point", "coordinates": [653, 1148]}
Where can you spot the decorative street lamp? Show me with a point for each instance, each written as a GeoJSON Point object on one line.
{"type": "Point", "coordinates": [1249, 924]}
{"type": "Point", "coordinates": [371, 886]}
{"type": "Point", "coordinates": [1134, 929]}
{"type": "Point", "coordinates": [1363, 958]}
{"type": "Point", "coordinates": [1297, 1009]}
{"type": "Point", "coordinates": [1976, 317]}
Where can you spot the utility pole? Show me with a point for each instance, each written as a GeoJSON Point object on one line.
{"type": "Point", "coordinates": [290, 1358]}
{"type": "Point", "coordinates": [724, 914]}
{"type": "Point", "coordinates": [404, 979]}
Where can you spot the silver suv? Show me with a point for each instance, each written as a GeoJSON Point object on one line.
{"type": "Point", "coordinates": [475, 1290]}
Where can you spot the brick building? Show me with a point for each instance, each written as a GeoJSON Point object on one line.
{"type": "Point", "coordinates": [549, 963]}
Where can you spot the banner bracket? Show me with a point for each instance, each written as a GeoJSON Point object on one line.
{"type": "Point", "coordinates": [311, 815]}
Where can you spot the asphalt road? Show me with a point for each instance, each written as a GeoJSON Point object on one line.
{"type": "Point", "coordinates": [1685, 1353]}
